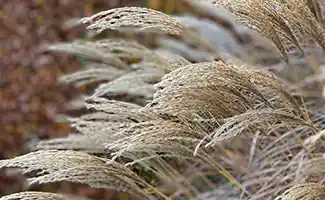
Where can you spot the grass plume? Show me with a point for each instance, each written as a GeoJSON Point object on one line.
{"type": "Point", "coordinates": [204, 122]}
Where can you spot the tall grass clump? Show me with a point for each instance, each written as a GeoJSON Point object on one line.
{"type": "Point", "coordinates": [224, 102]}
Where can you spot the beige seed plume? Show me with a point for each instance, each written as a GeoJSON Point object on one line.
{"type": "Point", "coordinates": [157, 136]}
{"type": "Point", "coordinates": [304, 192]}
{"type": "Point", "coordinates": [75, 167]}
{"type": "Point", "coordinates": [313, 168]}
{"type": "Point", "coordinates": [75, 142]}
{"type": "Point", "coordinates": [212, 88]}
{"type": "Point", "coordinates": [102, 125]}
{"type": "Point", "coordinates": [128, 68]}
{"type": "Point", "coordinates": [115, 52]}
{"type": "Point", "coordinates": [289, 22]}
{"type": "Point", "coordinates": [142, 19]}
{"type": "Point", "coordinates": [40, 196]}
{"type": "Point", "coordinates": [90, 52]}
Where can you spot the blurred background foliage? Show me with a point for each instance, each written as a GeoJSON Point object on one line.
{"type": "Point", "coordinates": [167, 6]}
